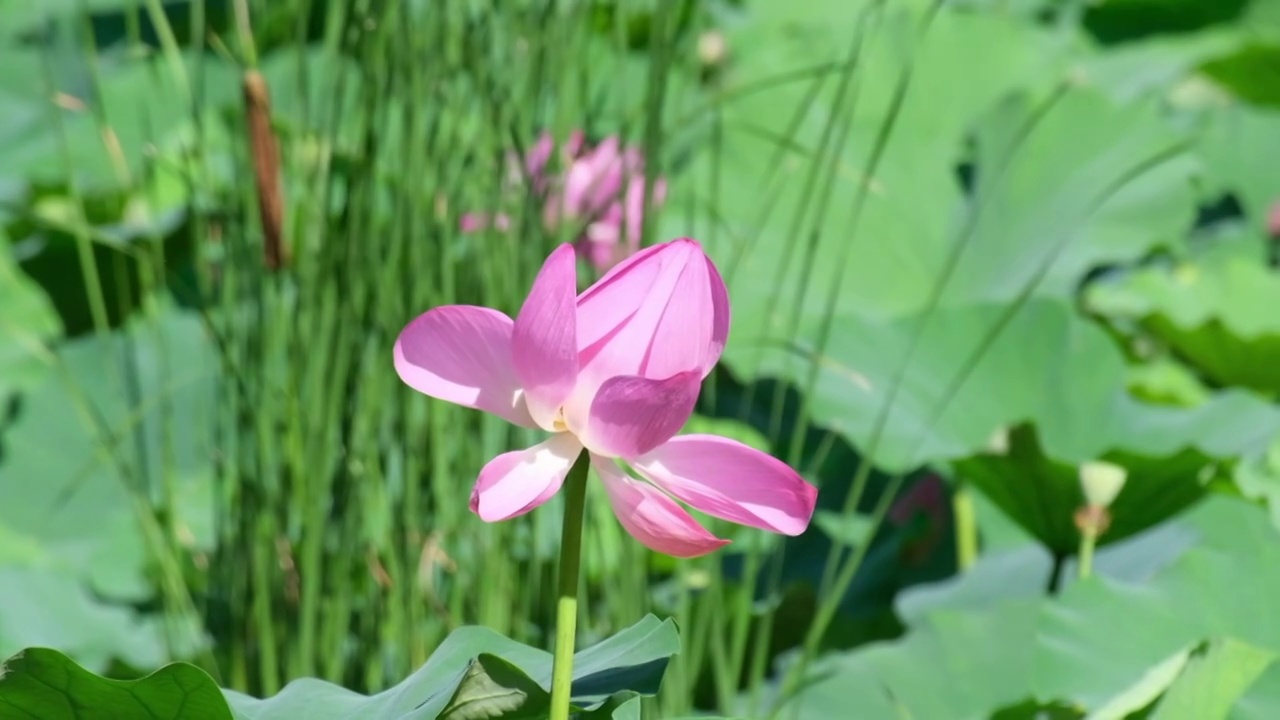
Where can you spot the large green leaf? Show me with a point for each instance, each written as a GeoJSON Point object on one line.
{"type": "Point", "coordinates": [1120, 20]}
{"type": "Point", "coordinates": [27, 324]}
{"type": "Point", "coordinates": [1214, 681]}
{"type": "Point", "coordinates": [1042, 494]}
{"type": "Point", "coordinates": [1083, 647]}
{"type": "Point", "coordinates": [1250, 72]}
{"type": "Point", "coordinates": [1258, 477]}
{"type": "Point", "coordinates": [130, 159]}
{"type": "Point", "coordinates": [634, 660]}
{"type": "Point", "coordinates": [114, 21]}
{"type": "Point", "coordinates": [46, 604]}
{"type": "Point", "coordinates": [1063, 181]}
{"type": "Point", "coordinates": [104, 121]}
{"type": "Point", "coordinates": [889, 260]}
{"type": "Point", "coordinates": [1233, 50]}
{"type": "Point", "coordinates": [120, 229]}
{"type": "Point", "coordinates": [22, 18]}
{"type": "Point", "coordinates": [1071, 175]}
{"type": "Point", "coordinates": [1261, 699]}
{"type": "Point", "coordinates": [1024, 572]}
{"type": "Point", "coordinates": [1048, 366]}
{"type": "Point", "coordinates": [20, 101]}
{"type": "Point", "coordinates": [494, 688]}
{"type": "Point", "coordinates": [1059, 382]}
{"type": "Point", "coordinates": [43, 684]}
{"type": "Point", "coordinates": [1219, 316]}
{"type": "Point", "coordinates": [1233, 146]}
{"type": "Point", "coordinates": [624, 706]}
{"type": "Point", "coordinates": [1164, 64]}
{"type": "Point", "coordinates": [115, 419]}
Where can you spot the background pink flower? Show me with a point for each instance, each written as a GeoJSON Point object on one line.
{"type": "Point", "coordinates": [601, 192]}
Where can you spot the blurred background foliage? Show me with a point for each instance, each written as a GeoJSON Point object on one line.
{"type": "Point", "coordinates": [971, 246]}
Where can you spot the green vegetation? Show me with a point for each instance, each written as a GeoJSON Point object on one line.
{"type": "Point", "coordinates": [970, 246]}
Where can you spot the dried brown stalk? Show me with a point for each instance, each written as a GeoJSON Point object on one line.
{"type": "Point", "coordinates": [266, 169]}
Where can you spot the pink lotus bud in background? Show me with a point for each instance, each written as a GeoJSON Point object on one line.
{"type": "Point", "coordinates": [606, 186]}
{"type": "Point", "coordinates": [534, 167]}
{"type": "Point", "coordinates": [600, 193]}
{"type": "Point", "coordinates": [535, 161]}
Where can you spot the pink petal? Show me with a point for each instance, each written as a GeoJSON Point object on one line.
{"type": "Point", "coordinates": [516, 482]}
{"type": "Point", "coordinates": [632, 415]}
{"type": "Point", "coordinates": [651, 517]}
{"type": "Point", "coordinates": [625, 313]}
{"type": "Point", "coordinates": [620, 319]}
{"type": "Point", "coordinates": [731, 481]}
{"type": "Point", "coordinates": [651, 316]}
{"type": "Point", "coordinates": [544, 342]}
{"type": "Point", "coordinates": [720, 317]}
{"type": "Point", "coordinates": [681, 338]}
{"type": "Point", "coordinates": [462, 354]}
{"type": "Point", "coordinates": [605, 306]}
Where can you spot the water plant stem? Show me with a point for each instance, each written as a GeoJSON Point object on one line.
{"type": "Point", "coordinates": [966, 522]}
{"type": "Point", "coordinates": [575, 494]}
{"type": "Point", "coordinates": [1091, 521]}
{"type": "Point", "coordinates": [1088, 540]}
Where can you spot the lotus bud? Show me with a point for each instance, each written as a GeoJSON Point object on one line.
{"type": "Point", "coordinates": [1101, 482]}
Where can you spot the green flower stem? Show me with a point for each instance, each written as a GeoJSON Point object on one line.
{"type": "Point", "coordinates": [575, 495]}
{"type": "Point", "coordinates": [966, 521]}
{"type": "Point", "coordinates": [1088, 540]}
{"type": "Point", "coordinates": [1091, 521]}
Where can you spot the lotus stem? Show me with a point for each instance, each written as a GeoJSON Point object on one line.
{"type": "Point", "coordinates": [966, 524]}
{"type": "Point", "coordinates": [575, 488]}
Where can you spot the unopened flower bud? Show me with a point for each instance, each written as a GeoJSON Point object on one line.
{"type": "Point", "coordinates": [712, 47]}
{"type": "Point", "coordinates": [1101, 482]}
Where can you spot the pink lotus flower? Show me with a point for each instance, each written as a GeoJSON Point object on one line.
{"type": "Point", "coordinates": [602, 192]}
{"type": "Point", "coordinates": [615, 370]}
